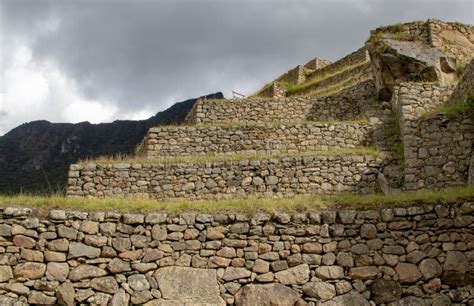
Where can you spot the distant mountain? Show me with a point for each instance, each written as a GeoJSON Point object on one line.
{"type": "Point", "coordinates": [35, 156]}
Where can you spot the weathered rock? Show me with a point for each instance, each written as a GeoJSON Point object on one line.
{"type": "Point", "coordinates": [456, 261]}
{"type": "Point", "coordinates": [384, 291]}
{"type": "Point", "coordinates": [349, 299]}
{"type": "Point", "coordinates": [17, 288]}
{"type": "Point", "coordinates": [294, 276]}
{"type": "Point", "coordinates": [457, 279]}
{"type": "Point", "coordinates": [86, 271]}
{"type": "Point", "coordinates": [65, 294]}
{"type": "Point", "coordinates": [271, 294]}
{"type": "Point", "coordinates": [411, 301]}
{"type": "Point", "coordinates": [57, 271]}
{"type": "Point", "coordinates": [81, 250]}
{"type": "Point", "coordinates": [120, 298]}
{"type": "Point", "coordinates": [329, 272]}
{"type": "Point", "coordinates": [430, 268]}
{"type": "Point", "coordinates": [5, 273]}
{"type": "Point", "coordinates": [320, 290]}
{"type": "Point", "coordinates": [138, 282]}
{"type": "Point", "coordinates": [364, 273]}
{"type": "Point", "coordinates": [119, 266]}
{"type": "Point", "coordinates": [106, 284]}
{"type": "Point", "coordinates": [408, 273]}
{"type": "Point", "coordinates": [232, 273]}
{"type": "Point", "coordinates": [36, 297]}
{"type": "Point", "coordinates": [30, 270]}
{"type": "Point", "coordinates": [192, 285]}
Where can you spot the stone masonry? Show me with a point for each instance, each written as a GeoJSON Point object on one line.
{"type": "Point", "coordinates": [276, 177]}
{"type": "Point", "coordinates": [421, 255]}
{"type": "Point", "coordinates": [262, 138]}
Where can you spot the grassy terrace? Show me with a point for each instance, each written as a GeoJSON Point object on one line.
{"type": "Point", "coordinates": [296, 88]}
{"type": "Point", "coordinates": [361, 120]}
{"type": "Point", "coordinates": [368, 151]}
{"type": "Point", "coordinates": [343, 201]}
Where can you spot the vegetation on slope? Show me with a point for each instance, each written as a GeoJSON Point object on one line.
{"type": "Point", "coordinates": [368, 151]}
{"type": "Point", "coordinates": [250, 205]}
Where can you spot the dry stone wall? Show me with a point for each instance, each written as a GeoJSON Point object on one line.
{"type": "Point", "coordinates": [421, 255]}
{"type": "Point", "coordinates": [352, 59]}
{"type": "Point", "coordinates": [276, 177]}
{"type": "Point", "coordinates": [261, 138]}
{"type": "Point", "coordinates": [437, 148]}
{"type": "Point", "coordinates": [343, 106]}
{"type": "Point", "coordinates": [295, 75]}
{"type": "Point", "coordinates": [455, 38]}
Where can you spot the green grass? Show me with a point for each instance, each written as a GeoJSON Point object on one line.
{"type": "Point", "coordinates": [336, 88]}
{"type": "Point", "coordinates": [233, 157]}
{"type": "Point", "coordinates": [452, 110]}
{"type": "Point", "coordinates": [361, 120]}
{"type": "Point", "coordinates": [293, 89]}
{"type": "Point", "coordinates": [251, 205]}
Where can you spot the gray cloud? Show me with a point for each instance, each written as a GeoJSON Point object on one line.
{"type": "Point", "coordinates": [146, 54]}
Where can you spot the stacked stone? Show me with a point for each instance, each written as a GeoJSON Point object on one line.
{"type": "Point", "coordinates": [261, 138]}
{"type": "Point", "coordinates": [437, 149]}
{"type": "Point", "coordinates": [410, 256]}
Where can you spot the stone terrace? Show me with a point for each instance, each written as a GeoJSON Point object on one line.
{"type": "Point", "coordinates": [262, 138]}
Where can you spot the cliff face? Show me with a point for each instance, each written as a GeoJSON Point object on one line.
{"type": "Point", "coordinates": [34, 157]}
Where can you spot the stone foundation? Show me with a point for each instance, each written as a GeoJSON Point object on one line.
{"type": "Point", "coordinates": [419, 255]}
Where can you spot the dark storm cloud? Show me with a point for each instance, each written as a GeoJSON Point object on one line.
{"type": "Point", "coordinates": [147, 53]}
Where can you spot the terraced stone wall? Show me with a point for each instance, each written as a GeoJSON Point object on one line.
{"type": "Point", "coordinates": [295, 75]}
{"type": "Point", "coordinates": [437, 148]}
{"type": "Point", "coordinates": [343, 106]}
{"type": "Point", "coordinates": [261, 138]}
{"type": "Point", "coordinates": [351, 59]}
{"type": "Point", "coordinates": [421, 255]}
{"type": "Point", "coordinates": [276, 177]}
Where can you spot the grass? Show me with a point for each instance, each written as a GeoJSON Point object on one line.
{"type": "Point", "coordinates": [452, 110]}
{"type": "Point", "coordinates": [338, 87]}
{"type": "Point", "coordinates": [221, 158]}
{"type": "Point", "coordinates": [251, 205]}
{"type": "Point", "coordinates": [361, 120]}
{"type": "Point", "coordinates": [293, 89]}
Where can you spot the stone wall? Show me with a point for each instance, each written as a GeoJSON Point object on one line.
{"type": "Point", "coordinates": [295, 75]}
{"type": "Point", "coordinates": [343, 106]}
{"type": "Point", "coordinates": [465, 87]}
{"type": "Point", "coordinates": [455, 38]}
{"type": "Point", "coordinates": [261, 138]}
{"type": "Point", "coordinates": [317, 63]}
{"type": "Point", "coordinates": [437, 148]}
{"type": "Point", "coordinates": [421, 255]}
{"type": "Point", "coordinates": [351, 59]}
{"type": "Point", "coordinates": [275, 177]}
{"type": "Point", "coordinates": [274, 90]}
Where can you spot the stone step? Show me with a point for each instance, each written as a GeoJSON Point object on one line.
{"type": "Point", "coordinates": [279, 176]}
{"type": "Point", "coordinates": [340, 81]}
{"type": "Point", "coordinates": [261, 138]}
{"type": "Point", "coordinates": [345, 105]}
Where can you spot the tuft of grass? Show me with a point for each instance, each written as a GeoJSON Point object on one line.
{"type": "Point", "coordinates": [338, 87]}
{"type": "Point", "coordinates": [452, 110]}
{"type": "Point", "coordinates": [250, 205]}
{"type": "Point", "coordinates": [367, 151]}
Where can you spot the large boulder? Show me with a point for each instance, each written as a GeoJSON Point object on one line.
{"type": "Point", "coordinates": [183, 285]}
{"type": "Point", "coordinates": [271, 294]}
{"type": "Point", "coordinates": [384, 291]}
{"type": "Point", "coordinates": [396, 61]}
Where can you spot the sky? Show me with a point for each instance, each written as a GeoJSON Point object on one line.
{"type": "Point", "coordinates": [102, 60]}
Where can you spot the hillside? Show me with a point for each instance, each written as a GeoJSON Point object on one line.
{"type": "Point", "coordinates": [35, 156]}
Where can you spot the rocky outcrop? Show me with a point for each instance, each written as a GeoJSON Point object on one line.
{"type": "Point", "coordinates": [396, 61]}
